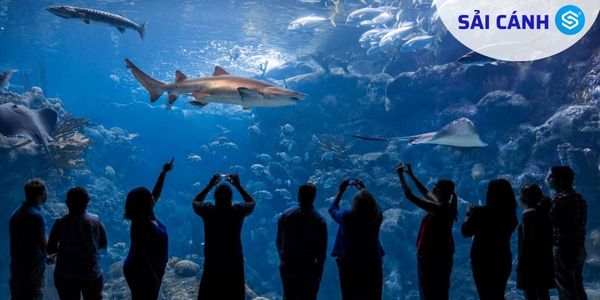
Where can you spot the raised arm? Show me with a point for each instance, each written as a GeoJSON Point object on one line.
{"type": "Point", "coordinates": [202, 195]}
{"type": "Point", "coordinates": [158, 186]}
{"type": "Point", "coordinates": [334, 210]}
{"type": "Point", "coordinates": [420, 186]}
{"type": "Point", "coordinates": [425, 204]}
{"type": "Point", "coordinates": [234, 179]}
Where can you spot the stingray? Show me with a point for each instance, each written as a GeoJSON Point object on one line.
{"type": "Point", "coordinates": [36, 125]}
{"type": "Point", "coordinates": [459, 133]}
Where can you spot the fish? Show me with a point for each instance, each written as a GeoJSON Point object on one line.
{"type": "Point", "coordinates": [372, 35]}
{"type": "Point", "coordinates": [259, 169]}
{"type": "Point", "coordinates": [296, 159]}
{"type": "Point", "coordinates": [36, 125]}
{"type": "Point", "coordinates": [474, 58]}
{"type": "Point", "coordinates": [194, 158]}
{"type": "Point", "coordinates": [287, 128]}
{"type": "Point", "coordinates": [359, 13]}
{"type": "Point", "coordinates": [310, 22]}
{"type": "Point", "coordinates": [235, 53]}
{"type": "Point", "coordinates": [380, 19]}
{"type": "Point", "coordinates": [87, 14]}
{"type": "Point", "coordinates": [458, 133]}
{"type": "Point", "coordinates": [284, 193]}
{"type": "Point", "coordinates": [219, 88]}
{"type": "Point", "coordinates": [5, 79]}
{"type": "Point", "coordinates": [263, 195]}
{"type": "Point", "coordinates": [264, 157]}
{"type": "Point", "coordinates": [396, 34]}
{"type": "Point", "coordinates": [417, 43]}
{"type": "Point", "coordinates": [254, 129]}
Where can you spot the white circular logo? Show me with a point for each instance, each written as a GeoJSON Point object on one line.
{"type": "Point", "coordinates": [518, 30]}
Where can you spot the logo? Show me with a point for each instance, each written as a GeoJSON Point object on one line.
{"type": "Point", "coordinates": [570, 20]}
{"type": "Point", "coordinates": [518, 30]}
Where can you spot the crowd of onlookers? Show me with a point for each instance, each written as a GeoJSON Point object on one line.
{"type": "Point", "coordinates": [551, 251]}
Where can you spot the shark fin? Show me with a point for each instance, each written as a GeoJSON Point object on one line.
{"type": "Point", "coordinates": [179, 76]}
{"type": "Point", "coordinates": [121, 29]}
{"type": "Point", "coordinates": [86, 21]}
{"type": "Point", "coordinates": [200, 95]}
{"type": "Point", "coordinates": [197, 103]}
{"type": "Point", "coordinates": [219, 71]}
{"type": "Point", "coordinates": [247, 93]}
{"type": "Point", "coordinates": [142, 29]}
{"type": "Point", "coordinates": [173, 97]}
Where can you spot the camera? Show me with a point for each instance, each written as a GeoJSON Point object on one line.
{"type": "Point", "coordinates": [402, 166]}
{"type": "Point", "coordinates": [225, 176]}
{"type": "Point", "coordinates": [353, 182]}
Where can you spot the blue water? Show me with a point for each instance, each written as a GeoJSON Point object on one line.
{"type": "Point", "coordinates": [349, 93]}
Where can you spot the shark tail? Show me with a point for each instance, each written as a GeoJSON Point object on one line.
{"type": "Point", "coordinates": [142, 29]}
{"type": "Point", "coordinates": [154, 87]}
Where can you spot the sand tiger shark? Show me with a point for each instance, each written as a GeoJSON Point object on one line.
{"type": "Point", "coordinates": [458, 133]}
{"type": "Point", "coordinates": [88, 14]}
{"type": "Point", "coordinates": [219, 88]}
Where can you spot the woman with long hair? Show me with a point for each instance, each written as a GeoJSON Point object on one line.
{"type": "Point", "coordinates": [491, 227]}
{"type": "Point", "coordinates": [145, 264]}
{"type": "Point", "coordinates": [357, 248]}
{"type": "Point", "coordinates": [435, 244]}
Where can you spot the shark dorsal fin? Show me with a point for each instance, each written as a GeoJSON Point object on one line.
{"type": "Point", "coordinates": [219, 71]}
{"type": "Point", "coordinates": [179, 76]}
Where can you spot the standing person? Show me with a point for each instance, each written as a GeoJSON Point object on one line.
{"type": "Point", "coordinates": [491, 227]}
{"type": "Point", "coordinates": [535, 273]}
{"type": "Point", "coordinates": [302, 247]}
{"type": "Point", "coordinates": [435, 244]}
{"type": "Point", "coordinates": [27, 230]}
{"type": "Point", "coordinates": [75, 240]}
{"type": "Point", "coordinates": [569, 218]}
{"type": "Point", "coordinates": [145, 264]}
{"type": "Point", "coordinates": [357, 248]}
{"type": "Point", "coordinates": [223, 274]}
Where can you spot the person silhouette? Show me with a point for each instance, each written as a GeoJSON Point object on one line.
{"type": "Point", "coordinates": [535, 271]}
{"type": "Point", "coordinates": [223, 274]}
{"type": "Point", "coordinates": [75, 241]}
{"type": "Point", "coordinates": [435, 244]}
{"type": "Point", "coordinates": [569, 218]}
{"type": "Point", "coordinates": [27, 231]}
{"type": "Point", "coordinates": [302, 247]}
{"type": "Point", "coordinates": [357, 248]}
{"type": "Point", "coordinates": [145, 264]}
{"type": "Point", "coordinates": [491, 227]}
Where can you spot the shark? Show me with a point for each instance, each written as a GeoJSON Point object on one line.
{"type": "Point", "coordinates": [458, 133]}
{"type": "Point", "coordinates": [219, 88]}
{"type": "Point", "coordinates": [36, 125]}
{"type": "Point", "coordinates": [87, 14]}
